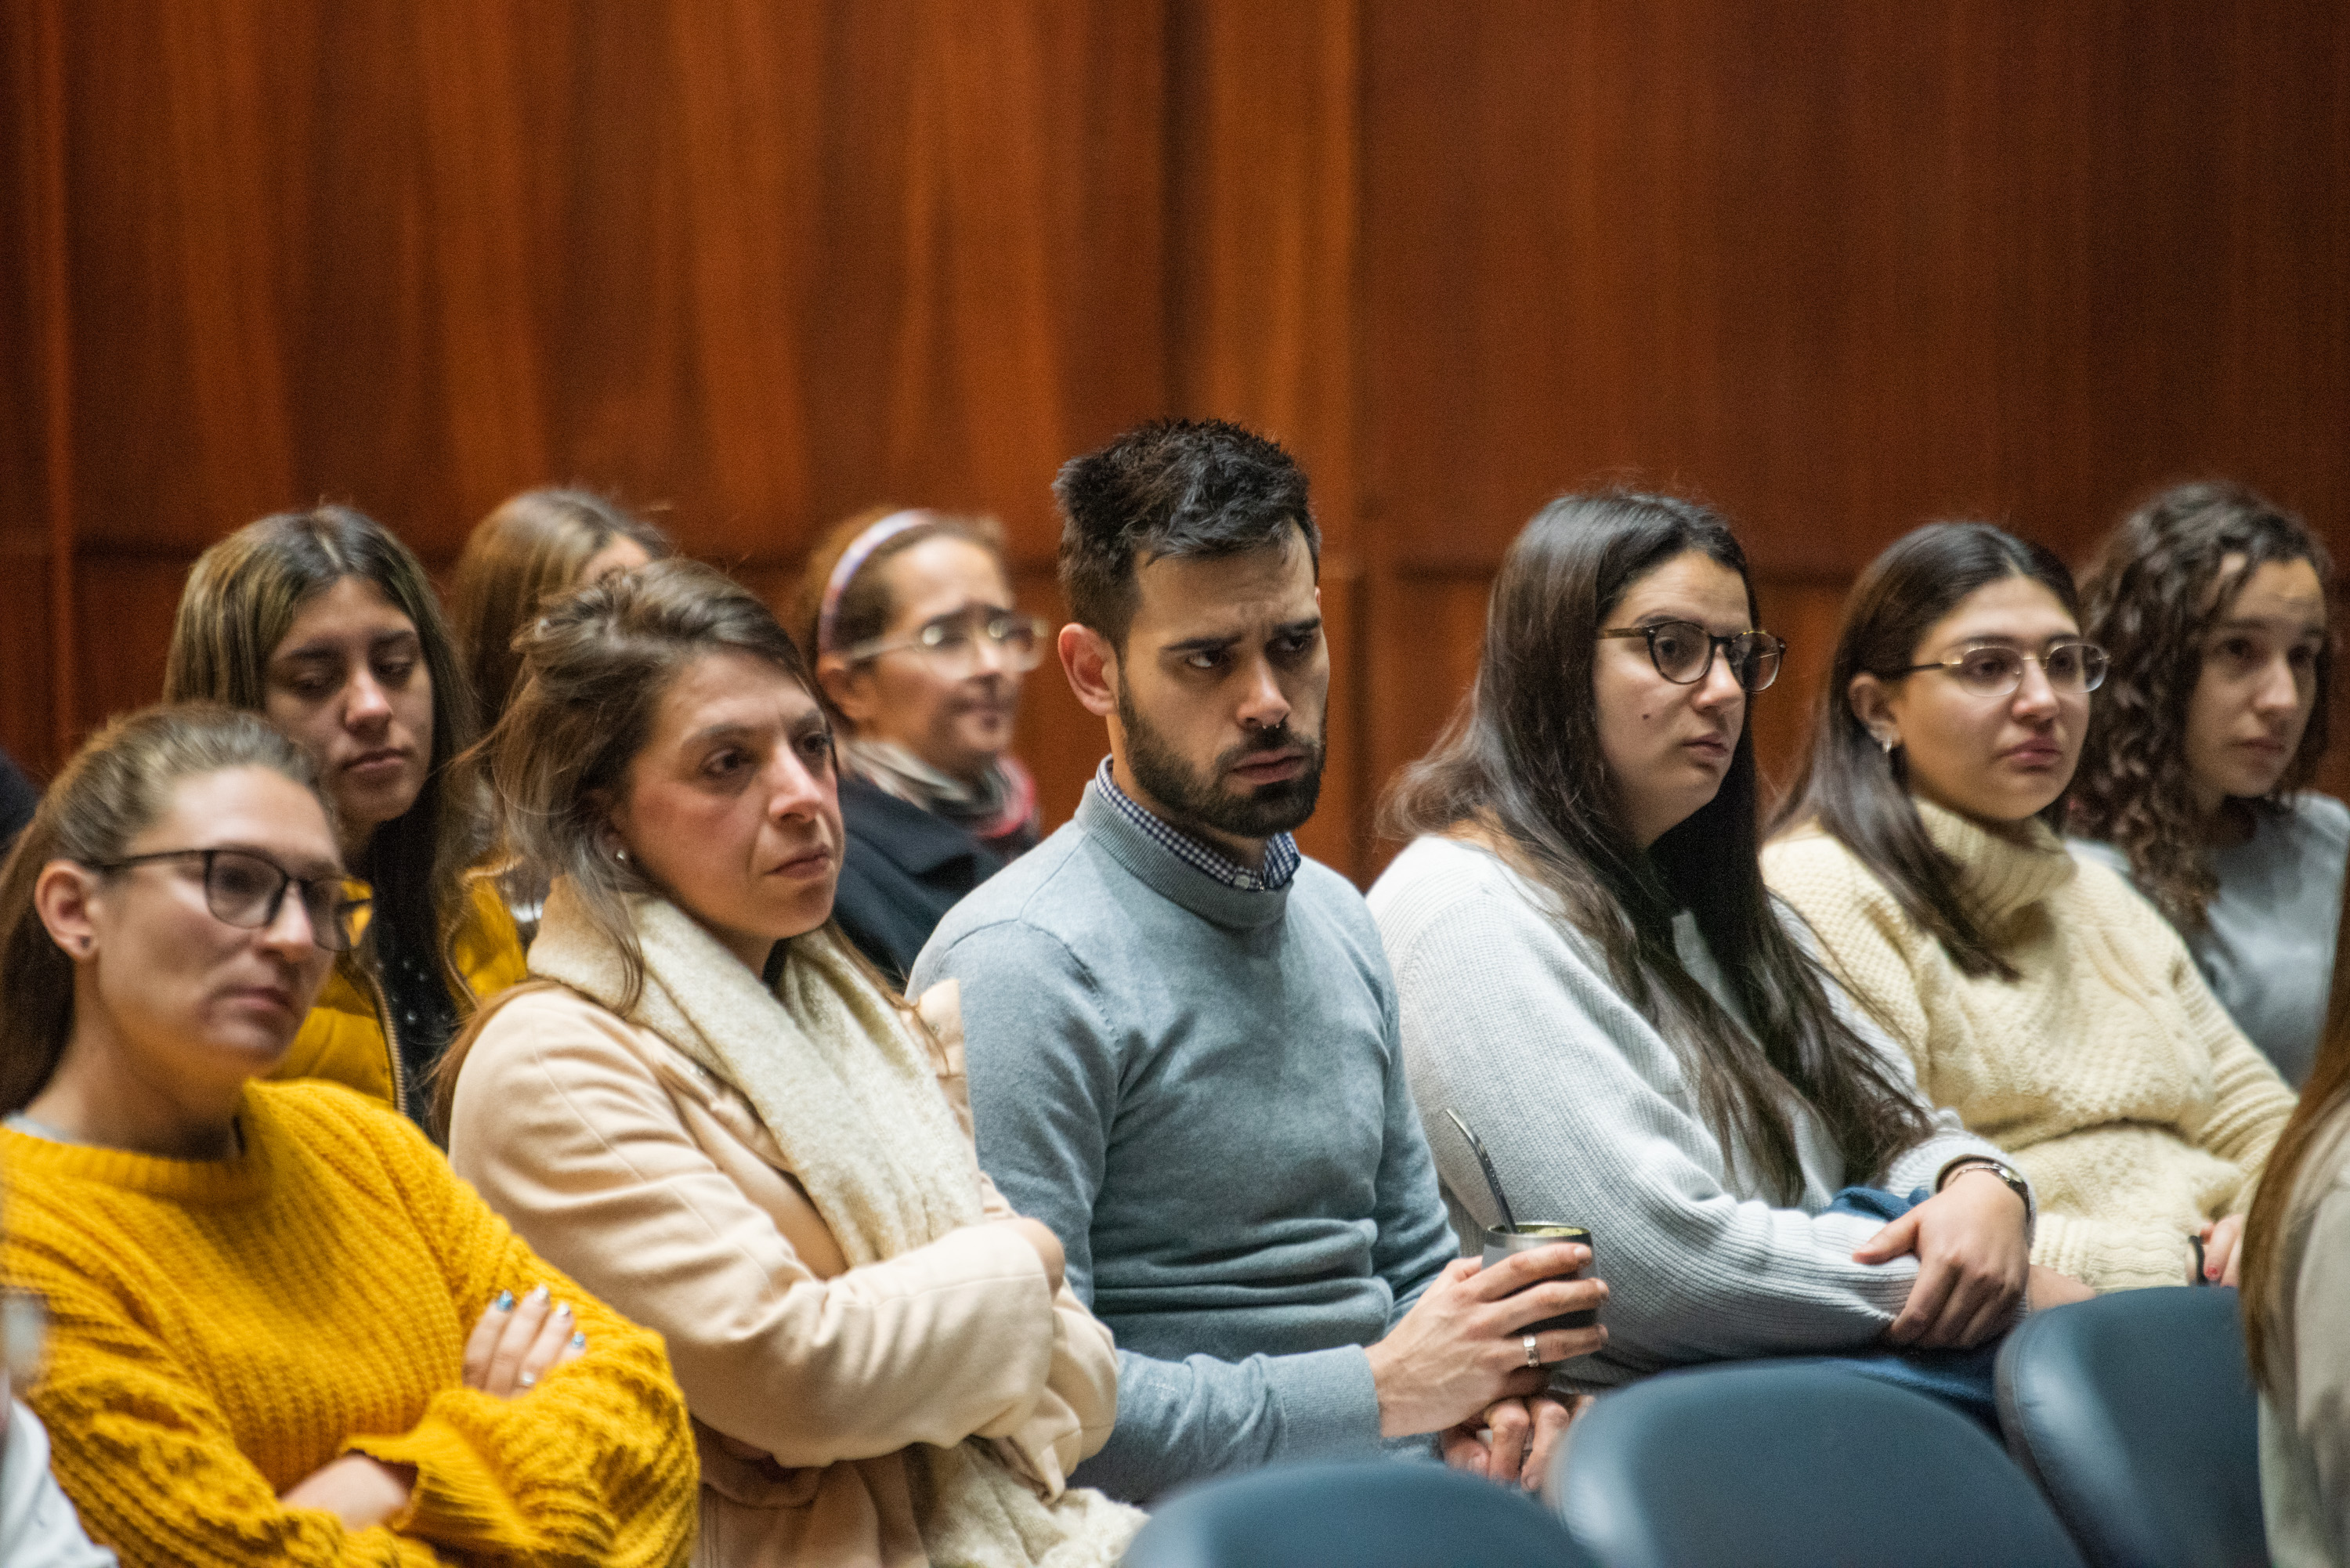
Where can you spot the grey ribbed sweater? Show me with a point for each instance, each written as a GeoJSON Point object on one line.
{"type": "Point", "coordinates": [1510, 1019]}
{"type": "Point", "coordinates": [1200, 1090]}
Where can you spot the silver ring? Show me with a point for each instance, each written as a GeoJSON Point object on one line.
{"type": "Point", "coordinates": [1533, 1351]}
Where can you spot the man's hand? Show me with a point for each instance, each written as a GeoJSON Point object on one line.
{"type": "Point", "coordinates": [1972, 1262]}
{"type": "Point", "coordinates": [1516, 1440]}
{"type": "Point", "coordinates": [1462, 1347]}
{"type": "Point", "coordinates": [2223, 1248]}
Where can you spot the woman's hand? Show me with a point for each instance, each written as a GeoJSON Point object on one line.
{"type": "Point", "coordinates": [1972, 1262]}
{"type": "Point", "coordinates": [360, 1491]}
{"type": "Point", "coordinates": [2223, 1247]}
{"type": "Point", "coordinates": [2051, 1289]}
{"type": "Point", "coordinates": [517, 1342]}
{"type": "Point", "coordinates": [1039, 1235]}
{"type": "Point", "coordinates": [1515, 1438]}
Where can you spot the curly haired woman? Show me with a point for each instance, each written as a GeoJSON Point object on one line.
{"type": "Point", "coordinates": [2211, 603]}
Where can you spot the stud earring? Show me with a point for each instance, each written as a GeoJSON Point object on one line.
{"type": "Point", "coordinates": [1886, 743]}
{"type": "Point", "coordinates": [621, 856]}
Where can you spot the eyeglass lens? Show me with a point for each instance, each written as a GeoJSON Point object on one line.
{"type": "Point", "coordinates": [246, 890]}
{"type": "Point", "coordinates": [2070, 667]}
{"type": "Point", "coordinates": [952, 637]}
{"type": "Point", "coordinates": [1683, 651]}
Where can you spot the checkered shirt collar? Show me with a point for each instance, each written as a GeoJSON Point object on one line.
{"type": "Point", "coordinates": [1280, 856]}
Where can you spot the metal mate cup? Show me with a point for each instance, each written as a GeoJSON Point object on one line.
{"type": "Point", "coordinates": [1501, 1241]}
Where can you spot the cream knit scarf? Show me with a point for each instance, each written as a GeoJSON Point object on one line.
{"type": "Point", "coordinates": [852, 1098]}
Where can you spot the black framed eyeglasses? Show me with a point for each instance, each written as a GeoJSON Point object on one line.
{"type": "Point", "coordinates": [2075, 668]}
{"type": "Point", "coordinates": [1683, 652]}
{"type": "Point", "coordinates": [247, 890]}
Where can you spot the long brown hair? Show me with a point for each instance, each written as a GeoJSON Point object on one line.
{"type": "Point", "coordinates": [113, 789]}
{"type": "Point", "coordinates": [533, 546]}
{"type": "Point", "coordinates": [596, 666]}
{"type": "Point", "coordinates": [242, 598]}
{"type": "Point", "coordinates": [1858, 793]}
{"type": "Point", "coordinates": [2267, 1301]}
{"type": "Point", "coordinates": [2158, 585]}
{"type": "Point", "coordinates": [1523, 754]}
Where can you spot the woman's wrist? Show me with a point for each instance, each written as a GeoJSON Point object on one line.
{"type": "Point", "coordinates": [2007, 1176]}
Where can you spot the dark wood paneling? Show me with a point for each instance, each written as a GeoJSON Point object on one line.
{"type": "Point", "coordinates": [1844, 266]}
{"type": "Point", "coordinates": [756, 267]}
{"type": "Point", "coordinates": [1264, 142]}
{"type": "Point", "coordinates": [1837, 267]}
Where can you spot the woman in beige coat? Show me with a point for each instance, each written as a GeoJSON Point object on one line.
{"type": "Point", "coordinates": [708, 1111]}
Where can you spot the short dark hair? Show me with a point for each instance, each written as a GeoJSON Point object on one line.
{"type": "Point", "coordinates": [1171, 488]}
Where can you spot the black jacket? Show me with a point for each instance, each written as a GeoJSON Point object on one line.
{"type": "Point", "coordinates": [905, 867]}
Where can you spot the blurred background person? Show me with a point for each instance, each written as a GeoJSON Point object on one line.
{"type": "Point", "coordinates": [2210, 603]}
{"type": "Point", "coordinates": [909, 620]}
{"type": "Point", "coordinates": [2297, 1277]}
{"type": "Point", "coordinates": [325, 624]}
{"type": "Point", "coordinates": [18, 797]}
{"type": "Point", "coordinates": [535, 544]}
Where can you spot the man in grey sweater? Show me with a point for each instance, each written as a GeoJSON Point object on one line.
{"type": "Point", "coordinates": [1182, 1036]}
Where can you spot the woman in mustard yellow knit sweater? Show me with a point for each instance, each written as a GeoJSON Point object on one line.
{"type": "Point", "coordinates": [283, 1332]}
{"type": "Point", "coordinates": [2041, 998]}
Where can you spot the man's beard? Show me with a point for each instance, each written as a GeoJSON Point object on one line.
{"type": "Point", "coordinates": [1196, 801]}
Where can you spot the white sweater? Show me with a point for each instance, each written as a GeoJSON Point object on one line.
{"type": "Point", "coordinates": [1509, 1018]}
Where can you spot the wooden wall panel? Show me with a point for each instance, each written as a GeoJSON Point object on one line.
{"type": "Point", "coordinates": [1265, 139]}
{"type": "Point", "coordinates": [1837, 267]}
{"type": "Point", "coordinates": [1843, 266]}
{"type": "Point", "coordinates": [752, 266]}
{"type": "Point", "coordinates": [39, 678]}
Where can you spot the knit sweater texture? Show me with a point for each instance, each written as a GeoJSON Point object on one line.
{"type": "Point", "coordinates": [2265, 945]}
{"type": "Point", "coordinates": [1201, 1090]}
{"type": "Point", "coordinates": [1511, 1020]}
{"type": "Point", "coordinates": [2106, 1069]}
{"type": "Point", "coordinates": [224, 1328]}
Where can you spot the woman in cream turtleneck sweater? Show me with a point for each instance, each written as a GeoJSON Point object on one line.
{"type": "Point", "coordinates": [2043, 999]}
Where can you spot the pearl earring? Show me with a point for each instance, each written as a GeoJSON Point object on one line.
{"type": "Point", "coordinates": [621, 856]}
{"type": "Point", "coordinates": [1886, 743]}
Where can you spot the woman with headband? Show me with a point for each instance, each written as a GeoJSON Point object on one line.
{"type": "Point", "coordinates": [907, 618]}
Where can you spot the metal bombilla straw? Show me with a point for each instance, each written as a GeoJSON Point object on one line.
{"type": "Point", "coordinates": [1485, 1161]}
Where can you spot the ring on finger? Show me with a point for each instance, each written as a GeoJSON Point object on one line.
{"type": "Point", "coordinates": [1534, 1350]}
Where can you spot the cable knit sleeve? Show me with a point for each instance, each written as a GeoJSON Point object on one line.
{"type": "Point", "coordinates": [2249, 1101]}
{"type": "Point", "coordinates": [149, 1459]}
{"type": "Point", "coordinates": [1586, 1113]}
{"type": "Point", "coordinates": [595, 1465]}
